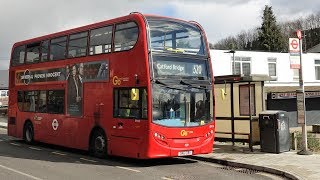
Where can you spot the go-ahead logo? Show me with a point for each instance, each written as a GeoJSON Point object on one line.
{"type": "Point", "coordinates": [118, 80]}
{"type": "Point", "coordinates": [185, 132]}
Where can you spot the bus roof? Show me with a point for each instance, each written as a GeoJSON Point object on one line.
{"type": "Point", "coordinates": [134, 15]}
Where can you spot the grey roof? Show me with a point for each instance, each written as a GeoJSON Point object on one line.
{"type": "Point", "coordinates": [4, 77]}
{"type": "Point", "coordinates": [314, 49]}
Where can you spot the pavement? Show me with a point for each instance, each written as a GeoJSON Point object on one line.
{"type": "Point", "coordinates": [287, 164]}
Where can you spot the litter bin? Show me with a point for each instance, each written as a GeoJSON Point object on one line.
{"type": "Point", "coordinates": [274, 131]}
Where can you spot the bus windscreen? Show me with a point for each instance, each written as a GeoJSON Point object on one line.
{"type": "Point", "coordinates": [175, 37]}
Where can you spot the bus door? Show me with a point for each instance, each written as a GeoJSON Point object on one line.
{"type": "Point", "coordinates": [54, 117]}
{"type": "Point", "coordinates": [129, 125]}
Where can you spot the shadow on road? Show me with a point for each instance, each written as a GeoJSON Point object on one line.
{"type": "Point", "coordinates": [15, 148]}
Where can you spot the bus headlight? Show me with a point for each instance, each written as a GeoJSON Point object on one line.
{"type": "Point", "coordinates": [209, 134]}
{"type": "Point", "coordinates": [160, 138]}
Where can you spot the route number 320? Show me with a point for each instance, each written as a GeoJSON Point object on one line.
{"type": "Point", "coordinates": [197, 69]}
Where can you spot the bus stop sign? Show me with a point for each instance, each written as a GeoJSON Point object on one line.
{"type": "Point", "coordinates": [299, 35]}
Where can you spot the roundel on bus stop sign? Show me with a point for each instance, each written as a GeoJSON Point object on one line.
{"type": "Point", "coordinates": [293, 44]}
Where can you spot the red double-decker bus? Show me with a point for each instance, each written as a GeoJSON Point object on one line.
{"type": "Point", "coordinates": [138, 86]}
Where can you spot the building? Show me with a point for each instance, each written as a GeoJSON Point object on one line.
{"type": "Point", "coordinates": [314, 49]}
{"type": "Point", "coordinates": [4, 77]}
{"type": "Point", "coordinates": [279, 91]}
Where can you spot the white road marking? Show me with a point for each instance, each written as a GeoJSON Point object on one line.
{"type": "Point", "coordinates": [15, 144]}
{"type": "Point", "coordinates": [166, 178]}
{"type": "Point", "coordinates": [34, 148]}
{"type": "Point", "coordinates": [89, 160]}
{"type": "Point", "coordinates": [19, 172]}
{"type": "Point", "coordinates": [129, 169]}
{"type": "Point", "coordinates": [1, 140]}
{"type": "Point", "coordinates": [58, 153]}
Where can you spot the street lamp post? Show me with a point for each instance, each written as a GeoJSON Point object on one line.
{"type": "Point", "coordinates": [233, 61]}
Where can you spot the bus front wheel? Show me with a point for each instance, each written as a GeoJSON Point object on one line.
{"type": "Point", "coordinates": [98, 144]}
{"type": "Point", "coordinates": [28, 133]}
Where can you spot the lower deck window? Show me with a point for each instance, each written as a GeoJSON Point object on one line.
{"type": "Point", "coordinates": [130, 103]}
{"type": "Point", "coordinates": [51, 101]}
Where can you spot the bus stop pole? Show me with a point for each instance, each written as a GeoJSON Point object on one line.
{"type": "Point", "coordinates": [301, 112]}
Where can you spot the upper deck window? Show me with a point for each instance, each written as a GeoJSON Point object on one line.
{"type": "Point", "coordinates": [100, 40]}
{"type": "Point", "coordinates": [126, 36]}
{"type": "Point", "coordinates": [44, 50]}
{"type": "Point", "coordinates": [18, 55]}
{"type": "Point", "coordinates": [175, 37]}
{"type": "Point", "coordinates": [78, 45]}
{"type": "Point", "coordinates": [58, 48]}
{"type": "Point", "coordinates": [33, 52]}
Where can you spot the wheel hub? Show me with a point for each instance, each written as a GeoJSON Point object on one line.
{"type": "Point", "coordinates": [99, 143]}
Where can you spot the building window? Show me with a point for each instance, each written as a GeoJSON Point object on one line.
{"type": "Point", "coordinates": [295, 74]}
{"type": "Point", "coordinates": [244, 100]}
{"type": "Point", "coordinates": [272, 66]}
{"type": "Point", "coordinates": [317, 69]}
{"type": "Point", "coordinates": [242, 65]}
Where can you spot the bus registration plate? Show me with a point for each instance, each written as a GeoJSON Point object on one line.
{"type": "Point", "coordinates": [184, 153]}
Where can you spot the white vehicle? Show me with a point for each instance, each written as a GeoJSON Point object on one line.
{"type": "Point", "coordinates": [4, 97]}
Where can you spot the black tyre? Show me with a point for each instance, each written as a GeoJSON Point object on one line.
{"type": "Point", "coordinates": [98, 144]}
{"type": "Point", "coordinates": [28, 133]}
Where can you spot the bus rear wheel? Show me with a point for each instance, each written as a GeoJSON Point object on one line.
{"type": "Point", "coordinates": [98, 144]}
{"type": "Point", "coordinates": [28, 133]}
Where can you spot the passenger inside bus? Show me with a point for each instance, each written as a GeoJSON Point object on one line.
{"type": "Point", "coordinates": [129, 108]}
{"type": "Point", "coordinates": [134, 111]}
{"type": "Point", "coordinates": [200, 110]}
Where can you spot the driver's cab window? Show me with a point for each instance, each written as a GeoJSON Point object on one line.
{"type": "Point", "coordinates": [130, 103]}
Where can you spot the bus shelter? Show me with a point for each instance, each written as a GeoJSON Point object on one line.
{"type": "Point", "coordinates": [239, 99]}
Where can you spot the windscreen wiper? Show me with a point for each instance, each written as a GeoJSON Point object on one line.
{"type": "Point", "coordinates": [190, 85]}
{"type": "Point", "coordinates": [167, 86]}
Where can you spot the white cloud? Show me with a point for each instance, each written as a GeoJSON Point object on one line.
{"type": "Point", "coordinates": [22, 20]}
{"type": "Point", "coordinates": [221, 20]}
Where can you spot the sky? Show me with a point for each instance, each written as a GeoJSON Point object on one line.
{"type": "Point", "coordinates": [25, 19]}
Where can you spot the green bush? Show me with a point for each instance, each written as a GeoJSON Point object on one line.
{"type": "Point", "coordinates": [313, 142]}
